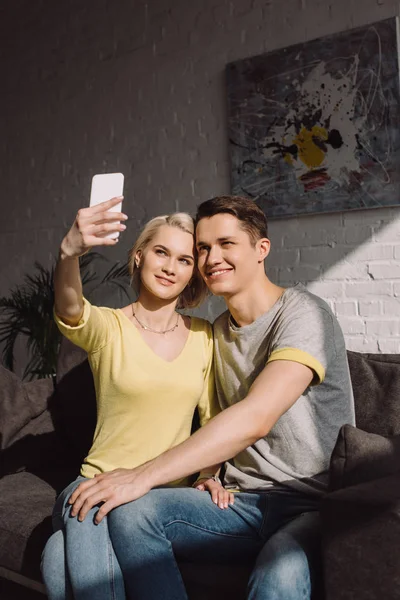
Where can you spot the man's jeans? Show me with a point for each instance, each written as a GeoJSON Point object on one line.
{"type": "Point", "coordinates": [151, 534]}
{"type": "Point", "coordinates": [277, 530]}
{"type": "Point", "coordinates": [78, 561]}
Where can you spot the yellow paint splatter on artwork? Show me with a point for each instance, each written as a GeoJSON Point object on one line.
{"type": "Point", "coordinates": [288, 157]}
{"type": "Point", "coordinates": [308, 151]}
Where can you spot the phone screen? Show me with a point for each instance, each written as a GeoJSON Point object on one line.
{"type": "Point", "coordinates": [104, 187]}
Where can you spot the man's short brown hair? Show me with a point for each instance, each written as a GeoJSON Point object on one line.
{"type": "Point", "coordinates": [251, 217]}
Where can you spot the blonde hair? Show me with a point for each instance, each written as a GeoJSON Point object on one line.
{"type": "Point", "coordinates": [196, 290]}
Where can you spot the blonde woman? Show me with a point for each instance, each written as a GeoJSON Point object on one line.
{"type": "Point", "coordinates": [152, 367]}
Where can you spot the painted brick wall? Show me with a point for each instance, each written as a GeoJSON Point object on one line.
{"type": "Point", "coordinates": [139, 87]}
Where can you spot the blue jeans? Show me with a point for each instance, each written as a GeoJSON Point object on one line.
{"type": "Point", "coordinates": [278, 530]}
{"type": "Point", "coordinates": [78, 560]}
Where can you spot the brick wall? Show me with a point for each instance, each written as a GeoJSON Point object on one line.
{"type": "Point", "coordinates": [139, 87]}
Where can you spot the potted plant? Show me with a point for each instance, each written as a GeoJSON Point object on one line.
{"type": "Point", "coordinates": [27, 312]}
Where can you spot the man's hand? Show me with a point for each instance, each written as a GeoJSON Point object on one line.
{"type": "Point", "coordinates": [220, 496]}
{"type": "Point", "coordinates": [113, 489]}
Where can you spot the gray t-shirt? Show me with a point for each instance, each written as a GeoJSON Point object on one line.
{"type": "Point", "coordinates": [300, 327]}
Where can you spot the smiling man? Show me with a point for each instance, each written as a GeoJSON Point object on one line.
{"type": "Point", "coordinates": [283, 383]}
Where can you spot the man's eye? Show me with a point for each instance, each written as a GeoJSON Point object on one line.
{"type": "Point", "coordinates": [226, 243]}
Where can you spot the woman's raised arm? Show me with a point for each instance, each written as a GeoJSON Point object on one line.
{"type": "Point", "coordinates": [89, 229]}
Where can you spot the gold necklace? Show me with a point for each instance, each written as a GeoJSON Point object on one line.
{"type": "Point", "coordinates": [147, 328]}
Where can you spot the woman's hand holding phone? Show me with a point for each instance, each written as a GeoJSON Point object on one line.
{"type": "Point", "coordinates": [92, 227]}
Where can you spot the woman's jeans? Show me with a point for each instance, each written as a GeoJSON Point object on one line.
{"type": "Point", "coordinates": [78, 560]}
{"type": "Point", "coordinates": [277, 531]}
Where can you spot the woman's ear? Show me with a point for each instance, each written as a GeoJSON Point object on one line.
{"type": "Point", "coordinates": [264, 246]}
{"type": "Point", "coordinates": [137, 259]}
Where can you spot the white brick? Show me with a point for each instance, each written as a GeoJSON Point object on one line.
{"type": "Point", "coordinates": [384, 270]}
{"type": "Point", "coordinates": [352, 325]}
{"type": "Point", "coordinates": [361, 344]}
{"type": "Point", "coordinates": [344, 271]}
{"type": "Point", "coordinates": [323, 221]}
{"type": "Point", "coordinates": [357, 234]}
{"type": "Point", "coordinates": [306, 273]}
{"type": "Point", "coordinates": [296, 239]}
{"type": "Point", "coordinates": [372, 251]}
{"type": "Point", "coordinates": [370, 289]}
{"type": "Point", "coordinates": [389, 346]}
{"type": "Point", "coordinates": [345, 309]}
{"type": "Point", "coordinates": [282, 257]}
{"type": "Point", "coordinates": [390, 233]}
{"type": "Point", "coordinates": [367, 217]}
{"type": "Point", "coordinates": [308, 235]}
{"type": "Point", "coordinates": [382, 328]}
{"type": "Point", "coordinates": [327, 290]}
{"type": "Point", "coordinates": [370, 309]}
{"type": "Point", "coordinates": [396, 289]}
{"type": "Point", "coordinates": [287, 277]}
{"type": "Point", "coordinates": [391, 307]}
{"type": "Point", "coordinates": [323, 255]}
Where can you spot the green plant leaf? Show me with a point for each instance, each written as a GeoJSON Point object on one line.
{"type": "Point", "coordinates": [27, 312]}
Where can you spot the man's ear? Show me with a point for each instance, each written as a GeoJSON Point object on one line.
{"type": "Point", "coordinates": [263, 247]}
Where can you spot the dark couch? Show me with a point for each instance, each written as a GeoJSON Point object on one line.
{"type": "Point", "coordinates": [46, 429]}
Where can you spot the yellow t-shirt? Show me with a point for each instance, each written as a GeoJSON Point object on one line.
{"type": "Point", "coordinates": [145, 404]}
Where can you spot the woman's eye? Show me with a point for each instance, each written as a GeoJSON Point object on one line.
{"type": "Point", "coordinates": [185, 261]}
{"type": "Point", "coordinates": [226, 243]}
{"type": "Point", "coordinates": [159, 251]}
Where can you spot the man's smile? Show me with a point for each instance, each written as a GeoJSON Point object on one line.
{"type": "Point", "coordinates": [217, 273]}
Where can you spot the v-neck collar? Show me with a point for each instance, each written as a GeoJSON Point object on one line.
{"type": "Point", "coordinates": [150, 350]}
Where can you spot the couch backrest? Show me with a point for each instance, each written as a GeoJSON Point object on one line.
{"type": "Point", "coordinates": [376, 387]}
{"type": "Point", "coordinates": [28, 440]}
{"type": "Point", "coordinates": [375, 379]}
{"type": "Point", "coordinates": [70, 412]}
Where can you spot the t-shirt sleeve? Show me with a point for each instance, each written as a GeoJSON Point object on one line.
{"type": "Point", "coordinates": [307, 338]}
{"type": "Point", "coordinates": [208, 404]}
{"type": "Point", "coordinates": [94, 330]}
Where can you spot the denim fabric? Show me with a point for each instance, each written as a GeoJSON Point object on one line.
{"type": "Point", "coordinates": [78, 560]}
{"type": "Point", "coordinates": [151, 534]}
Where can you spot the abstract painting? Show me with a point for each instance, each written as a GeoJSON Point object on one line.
{"type": "Point", "coordinates": [316, 127]}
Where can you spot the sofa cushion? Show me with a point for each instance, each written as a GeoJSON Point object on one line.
{"type": "Point", "coordinates": [26, 504]}
{"type": "Point", "coordinates": [376, 385]}
{"type": "Point", "coordinates": [27, 437]}
{"type": "Point", "coordinates": [359, 456]}
{"type": "Point", "coordinates": [37, 448]}
{"type": "Point", "coordinates": [20, 402]}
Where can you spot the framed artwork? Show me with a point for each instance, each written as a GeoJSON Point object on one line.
{"type": "Point", "coordinates": [315, 127]}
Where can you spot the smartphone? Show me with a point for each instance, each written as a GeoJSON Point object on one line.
{"type": "Point", "coordinates": [104, 187]}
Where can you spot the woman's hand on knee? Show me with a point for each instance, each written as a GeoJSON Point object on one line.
{"type": "Point", "coordinates": [108, 489]}
{"type": "Point", "coordinates": [220, 496]}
